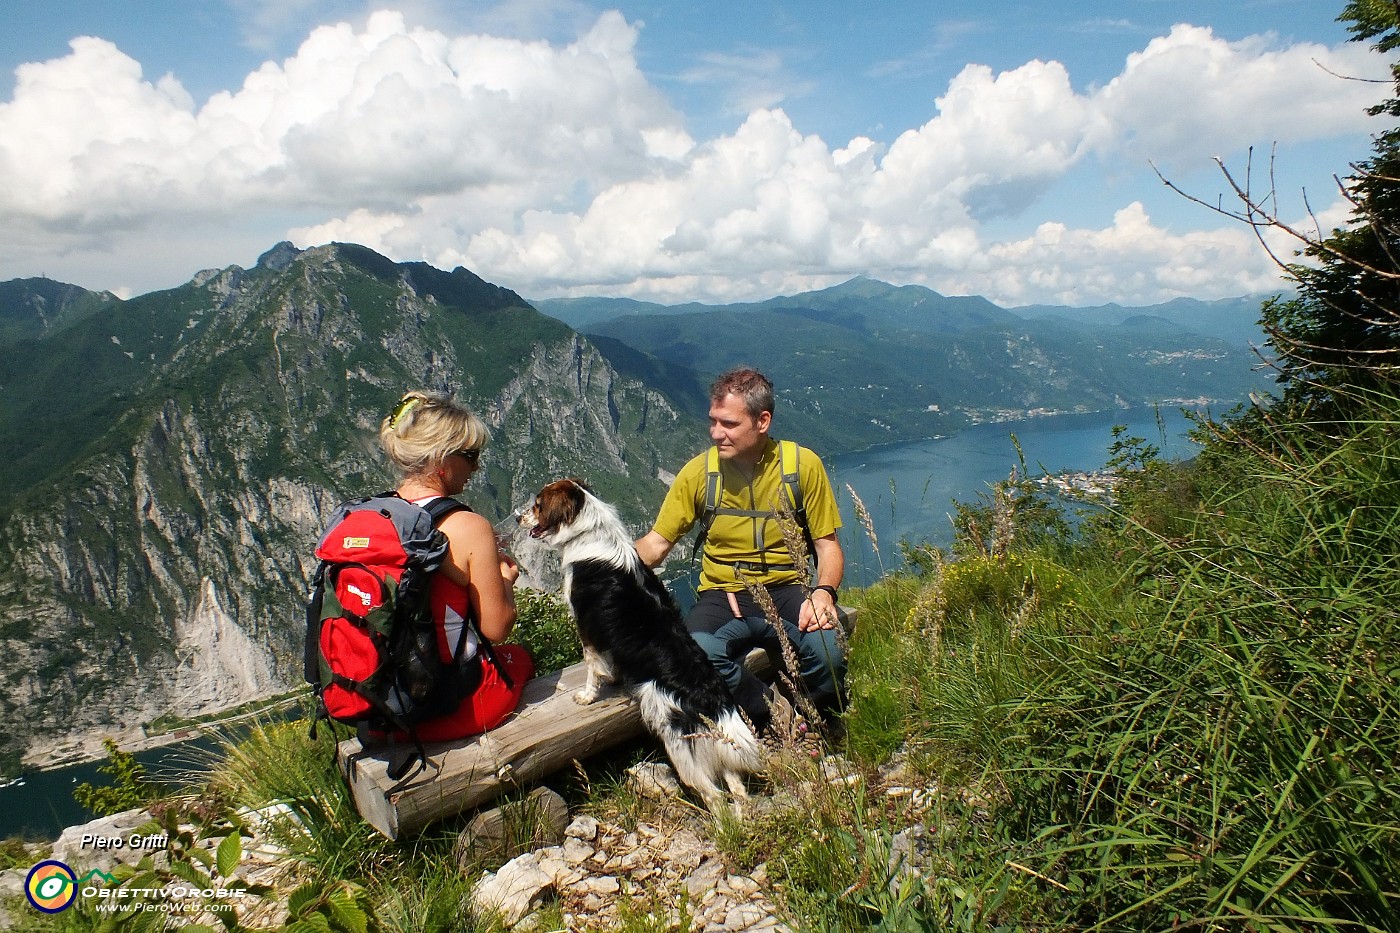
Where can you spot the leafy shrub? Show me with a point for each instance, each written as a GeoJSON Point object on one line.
{"type": "Point", "coordinates": [129, 788]}
{"type": "Point", "coordinates": [1186, 716]}
{"type": "Point", "coordinates": [543, 625]}
{"type": "Point", "coordinates": [14, 853]}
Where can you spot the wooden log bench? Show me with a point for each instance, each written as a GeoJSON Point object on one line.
{"type": "Point", "coordinates": [546, 733]}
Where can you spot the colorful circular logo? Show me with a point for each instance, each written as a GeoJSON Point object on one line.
{"type": "Point", "coordinates": [51, 886]}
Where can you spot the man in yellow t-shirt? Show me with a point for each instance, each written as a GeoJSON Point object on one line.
{"type": "Point", "coordinates": [745, 542]}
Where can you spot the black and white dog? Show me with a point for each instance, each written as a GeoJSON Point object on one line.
{"type": "Point", "coordinates": [633, 635]}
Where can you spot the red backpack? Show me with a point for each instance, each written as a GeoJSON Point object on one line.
{"type": "Point", "coordinates": [372, 653]}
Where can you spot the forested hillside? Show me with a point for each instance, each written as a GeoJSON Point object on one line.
{"type": "Point", "coordinates": [867, 363]}
{"type": "Point", "coordinates": [172, 458]}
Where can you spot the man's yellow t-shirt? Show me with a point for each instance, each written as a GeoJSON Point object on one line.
{"type": "Point", "coordinates": [740, 538]}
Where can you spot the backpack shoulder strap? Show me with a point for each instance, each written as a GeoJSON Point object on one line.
{"type": "Point", "coordinates": [714, 486]}
{"type": "Point", "coordinates": [789, 463]}
{"type": "Point", "coordinates": [439, 509]}
{"type": "Point", "coordinates": [714, 483]}
{"type": "Point", "coordinates": [443, 506]}
{"type": "Point", "coordinates": [789, 454]}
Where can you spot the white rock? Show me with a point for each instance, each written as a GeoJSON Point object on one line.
{"type": "Point", "coordinates": [512, 891]}
{"type": "Point", "coordinates": [12, 882]}
{"type": "Point", "coordinates": [743, 917]}
{"type": "Point", "coordinates": [583, 827]}
{"type": "Point", "coordinates": [631, 861]}
{"type": "Point", "coordinates": [576, 851]}
{"type": "Point", "coordinates": [119, 826]}
{"type": "Point", "coordinates": [741, 885]}
{"type": "Point", "coordinates": [705, 878]}
{"type": "Point", "coordinates": [602, 886]}
{"type": "Point", "coordinates": [654, 780]}
{"type": "Point", "coordinates": [685, 850]}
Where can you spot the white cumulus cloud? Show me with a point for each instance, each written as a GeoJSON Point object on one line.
{"type": "Point", "coordinates": [1190, 95]}
{"type": "Point", "coordinates": [560, 168]}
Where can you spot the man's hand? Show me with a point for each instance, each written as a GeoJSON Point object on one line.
{"type": "Point", "coordinates": [819, 609]}
{"type": "Point", "coordinates": [818, 612]}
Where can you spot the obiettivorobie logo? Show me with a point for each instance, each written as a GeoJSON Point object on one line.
{"type": "Point", "coordinates": [52, 887]}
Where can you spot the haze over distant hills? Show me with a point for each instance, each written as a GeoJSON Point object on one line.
{"type": "Point", "coordinates": [1228, 318]}
{"type": "Point", "coordinates": [171, 458]}
{"type": "Point", "coordinates": [1232, 319]}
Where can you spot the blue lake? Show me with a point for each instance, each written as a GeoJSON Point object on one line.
{"type": "Point", "coordinates": [910, 489]}
{"type": "Point", "coordinates": [42, 806]}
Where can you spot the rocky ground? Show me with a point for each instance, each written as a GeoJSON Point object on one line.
{"type": "Point", "coordinates": [595, 870]}
{"type": "Point", "coordinates": [658, 858]}
{"type": "Point", "coordinates": [602, 871]}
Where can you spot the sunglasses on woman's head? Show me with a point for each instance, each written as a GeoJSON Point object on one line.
{"type": "Point", "coordinates": [470, 454]}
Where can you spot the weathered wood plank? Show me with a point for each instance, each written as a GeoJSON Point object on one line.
{"type": "Point", "coordinates": [546, 733]}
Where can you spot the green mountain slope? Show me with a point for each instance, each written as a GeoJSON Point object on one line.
{"type": "Point", "coordinates": [175, 456]}
{"type": "Point", "coordinates": [865, 363]}
{"type": "Point", "coordinates": [35, 307]}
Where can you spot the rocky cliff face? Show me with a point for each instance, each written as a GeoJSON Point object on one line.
{"type": "Point", "coordinates": [159, 564]}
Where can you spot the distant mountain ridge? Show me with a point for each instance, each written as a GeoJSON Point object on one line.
{"type": "Point", "coordinates": [583, 313]}
{"type": "Point", "coordinates": [865, 362]}
{"type": "Point", "coordinates": [1232, 319]}
{"type": "Point", "coordinates": [175, 456]}
{"type": "Point", "coordinates": [35, 307]}
{"type": "Point", "coordinates": [1228, 318]}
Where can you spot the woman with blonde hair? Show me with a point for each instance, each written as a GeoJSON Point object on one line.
{"type": "Point", "coordinates": [436, 444]}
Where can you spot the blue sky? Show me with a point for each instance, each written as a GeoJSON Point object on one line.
{"type": "Point", "coordinates": [676, 151]}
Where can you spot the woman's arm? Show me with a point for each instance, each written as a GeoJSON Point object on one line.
{"type": "Point", "coordinates": [475, 561]}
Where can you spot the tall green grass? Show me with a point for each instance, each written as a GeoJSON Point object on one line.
{"type": "Point", "coordinates": [1188, 716]}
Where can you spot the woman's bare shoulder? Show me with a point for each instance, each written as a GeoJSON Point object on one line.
{"type": "Point", "coordinates": [464, 522]}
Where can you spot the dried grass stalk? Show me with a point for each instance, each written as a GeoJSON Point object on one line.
{"type": "Point", "coordinates": [764, 599]}
{"type": "Point", "coordinates": [1004, 515]}
{"type": "Point", "coordinates": [793, 538]}
{"type": "Point", "coordinates": [863, 516]}
{"type": "Point", "coordinates": [930, 610]}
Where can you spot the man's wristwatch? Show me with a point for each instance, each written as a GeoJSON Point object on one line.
{"type": "Point", "coordinates": [829, 588]}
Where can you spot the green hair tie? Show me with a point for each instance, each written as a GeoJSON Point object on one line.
{"type": "Point", "coordinates": [402, 408]}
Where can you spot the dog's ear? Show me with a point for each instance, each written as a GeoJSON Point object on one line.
{"type": "Point", "coordinates": [558, 504]}
{"type": "Point", "coordinates": [580, 484]}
